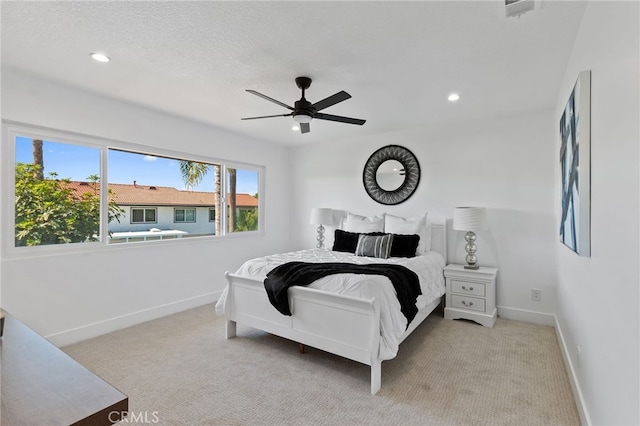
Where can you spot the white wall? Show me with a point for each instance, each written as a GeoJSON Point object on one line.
{"type": "Point", "coordinates": [505, 164]}
{"type": "Point", "coordinates": [73, 296]}
{"type": "Point", "coordinates": [598, 297]}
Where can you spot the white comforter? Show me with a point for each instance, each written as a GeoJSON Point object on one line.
{"type": "Point", "coordinates": [393, 323]}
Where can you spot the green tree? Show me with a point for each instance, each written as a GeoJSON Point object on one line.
{"type": "Point", "coordinates": [48, 211]}
{"type": "Point", "coordinates": [247, 220]}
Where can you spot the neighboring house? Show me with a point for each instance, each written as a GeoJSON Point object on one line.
{"type": "Point", "coordinates": [165, 208]}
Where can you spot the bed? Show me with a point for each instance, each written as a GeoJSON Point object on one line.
{"type": "Point", "coordinates": [319, 311]}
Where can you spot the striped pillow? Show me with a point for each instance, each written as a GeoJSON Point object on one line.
{"type": "Point", "coordinates": [374, 245]}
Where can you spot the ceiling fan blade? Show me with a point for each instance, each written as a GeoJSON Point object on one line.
{"type": "Point", "coordinates": [331, 100]}
{"type": "Point", "coordinates": [253, 92]}
{"type": "Point", "coordinates": [304, 128]}
{"type": "Point", "coordinates": [268, 116]}
{"type": "Point", "coordinates": [348, 120]}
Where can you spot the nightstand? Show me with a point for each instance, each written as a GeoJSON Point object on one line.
{"type": "Point", "coordinates": [471, 294]}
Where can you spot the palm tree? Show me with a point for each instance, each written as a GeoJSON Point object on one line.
{"type": "Point", "coordinates": [38, 159]}
{"type": "Point", "coordinates": [193, 173]}
{"type": "Point", "coordinates": [232, 200]}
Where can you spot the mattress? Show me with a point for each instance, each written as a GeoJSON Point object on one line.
{"type": "Point", "coordinates": [393, 323]}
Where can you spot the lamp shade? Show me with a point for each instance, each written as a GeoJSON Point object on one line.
{"type": "Point", "coordinates": [321, 216]}
{"type": "Point", "coordinates": [470, 219]}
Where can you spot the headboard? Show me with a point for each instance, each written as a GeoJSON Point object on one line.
{"type": "Point", "coordinates": [439, 237]}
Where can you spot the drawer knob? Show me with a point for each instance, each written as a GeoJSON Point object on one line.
{"type": "Point", "coordinates": [468, 289]}
{"type": "Point", "coordinates": [465, 303]}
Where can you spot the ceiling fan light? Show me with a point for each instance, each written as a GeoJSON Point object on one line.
{"type": "Point", "coordinates": [302, 118]}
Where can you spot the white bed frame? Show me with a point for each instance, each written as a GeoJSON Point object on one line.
{"type": "Point", "coordinates": [318, 317]}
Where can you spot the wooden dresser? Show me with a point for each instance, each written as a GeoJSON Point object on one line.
{"type": "Point", "coordinates": [41, 385]}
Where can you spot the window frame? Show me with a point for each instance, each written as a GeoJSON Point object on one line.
{"type": "Point", "coordinates": [175, 211]}
{"type": "Point", "coordinates": [12, 129]}
{"type": "Point", "coordinates": [224, 207]}
{"type": "Point", "coordinates": [144, 215]}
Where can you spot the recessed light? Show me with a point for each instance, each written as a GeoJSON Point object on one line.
{"type": "Point", "coordinates": [100, 57]}
{"type": "Point", "coordinates": [295, 128]}
{"type": "Point", "coordinates": [453, 97]}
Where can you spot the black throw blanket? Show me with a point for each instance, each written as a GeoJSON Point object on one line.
{"type": "Point", "coordinates": [280, 278]}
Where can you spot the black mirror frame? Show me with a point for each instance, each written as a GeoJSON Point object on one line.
{"type": "Point", "coordinates": [412, 174]}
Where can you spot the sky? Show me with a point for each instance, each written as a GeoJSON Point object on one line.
{"type": "Point", "coordinates": [77, 162]}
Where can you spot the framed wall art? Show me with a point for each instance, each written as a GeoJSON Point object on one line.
{"type": "Point", "coordinates": [575, 165]}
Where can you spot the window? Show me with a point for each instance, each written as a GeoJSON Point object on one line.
{"type": "Point", "coordinates": [143, 215]}
{"type": "Point", "coordinates": [242, 200]}
{"type": "Point", "coordinates": [153, 195]}
{"type": "Point", "coordinates": [184, 215]}
{"type": "Point", "coordinates": [57, 192]}
{"type": "Point", "coordinates": [176, 188]}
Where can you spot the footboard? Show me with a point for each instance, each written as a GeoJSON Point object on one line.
{"type": "Point", "coordinates": [318, 319]}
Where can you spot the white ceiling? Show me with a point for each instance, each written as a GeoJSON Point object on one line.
{"type": "Point", "coordinates": [399, 60]}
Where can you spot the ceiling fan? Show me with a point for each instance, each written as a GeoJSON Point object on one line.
{"type": "Point", "coordinates": [304, 111]}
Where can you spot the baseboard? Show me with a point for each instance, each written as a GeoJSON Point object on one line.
{"type": "Point", "coordinates": [112, 324]}
{"type": "Point", "coordinates": [527, 316]}
{"type": "Point", "coordinates": [585, 419]}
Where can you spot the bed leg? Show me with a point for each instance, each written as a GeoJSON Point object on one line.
{"type": "Point", "coordinates": [300, 348]}
{"type": "Point", "coordinates": [376, 377]}
{"type": "Point", "coordinates": [230, 329]}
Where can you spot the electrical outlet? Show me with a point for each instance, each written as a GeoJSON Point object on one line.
{"type": "Point", "coordinates": [536, 294]}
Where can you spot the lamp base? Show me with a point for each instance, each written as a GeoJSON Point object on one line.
{"type": "Point", "coordinates": [320, 237]}
{"type": "Point", "coordinates": [470, 247]}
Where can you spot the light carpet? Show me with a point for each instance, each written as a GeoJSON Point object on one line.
{"type": "Point", "coordinates": [180, 370]}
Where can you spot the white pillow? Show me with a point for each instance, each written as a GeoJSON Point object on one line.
{"type": "Point", "coordinates": [363, 224]}
{"type": "Point", "coordinates": [342, 222]}
{"type": "Point", "coordinates": [410, 225]}
{"type": "Point", "coordinates": [427, 239]}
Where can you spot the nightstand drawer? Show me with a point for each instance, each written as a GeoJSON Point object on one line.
{"type": "Point", "coordinates": [465, 302]}
{"type": "Point", "coordinates": [465, 287]}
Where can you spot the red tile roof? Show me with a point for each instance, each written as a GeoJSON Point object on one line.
{"type": "Point", "coordinates": [143, 195]}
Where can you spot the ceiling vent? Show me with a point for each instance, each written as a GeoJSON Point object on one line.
{"type": "Point", "coordinates": [518, 7]}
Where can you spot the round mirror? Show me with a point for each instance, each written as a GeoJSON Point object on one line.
{"type": "Point", "coordinates": [391, 174]}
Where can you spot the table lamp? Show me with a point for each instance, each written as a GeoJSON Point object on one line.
{"type": "Point", "coordinates": [470, 219]}
{"type": "Point", "coordinates": [320, 217]}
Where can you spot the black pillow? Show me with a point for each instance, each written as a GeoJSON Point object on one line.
{"type": "Point", "coordinates": [404, 245]}
{"type": "Point", "coordinates": [345, 241]}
